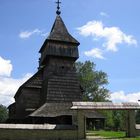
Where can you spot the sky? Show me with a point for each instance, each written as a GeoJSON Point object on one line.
{"type": "Point", "coordinates": [108, 32]}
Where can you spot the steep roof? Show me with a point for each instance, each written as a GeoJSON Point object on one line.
{"type": "Point", "coordinates": [34, 82]}
{"type": "Point", "coordinates": [60, 33]}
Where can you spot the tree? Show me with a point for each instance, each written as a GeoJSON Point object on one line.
{"type": "Point", "coordinates": [3, 113]}
{"type": "Point", "coordinates": [109, 119]}
{"type": "Point", "coordinates": [92, 81]}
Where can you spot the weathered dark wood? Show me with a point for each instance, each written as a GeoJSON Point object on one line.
{"type": "Point", "coordinates": [59, 49]}
{"type": "Point", "coordinates": [55, 82]}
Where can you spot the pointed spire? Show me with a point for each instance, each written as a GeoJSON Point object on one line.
{"type": "Point", "coordinates": [58, 12]}
{"type": "Point", "coordinates": [59, 32]}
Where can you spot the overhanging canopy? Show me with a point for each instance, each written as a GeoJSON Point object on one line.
{"type": "Point", "coordinates": [105, 106]}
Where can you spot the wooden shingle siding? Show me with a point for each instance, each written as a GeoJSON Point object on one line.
{"type": "Point", "coordinates": [71, 51]}
{"type": "Point", "coordinates": [64, 87]}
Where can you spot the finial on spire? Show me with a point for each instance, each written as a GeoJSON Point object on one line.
{"type": "Point", "coordinates": [58, 12]}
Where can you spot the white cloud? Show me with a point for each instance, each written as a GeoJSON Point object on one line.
{"type": "Point", "coordinates": [112, 35]}
{"type": "Point", "coordinates": [5, 67]}
{"type": "Point", "coordinates": [95, 53]}
{"type": "Point", "coordinates": [8, 88]}
{"type": "Point", "coordinates": [28, 34]}
{"type": "Point", "coordinates": [121, 96]}
{"type": "Point", "coordinates": [6, 100]}
{"type": "Point", "coordinates": [104, 14]}
{"type": "Point", "coordinates": [9, 85]}
{"type": "Point", "coordinates": [44, 34]}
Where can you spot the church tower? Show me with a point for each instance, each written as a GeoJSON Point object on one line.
{"type": "Point", "coordinates": [49, 93]}
{"type": "Point", "coordinates": [58, 54]}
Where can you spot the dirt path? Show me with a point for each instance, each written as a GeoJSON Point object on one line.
{"type": "Point", "coordinates": [94, 138]}
{"type": "Point", "coordinates": [98, 138]}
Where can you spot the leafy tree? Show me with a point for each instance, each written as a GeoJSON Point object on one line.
{"type": "Point", "coordinates": [3, 113]}
{"type": "Point", "coordinates": [109, 119]}
{"type": "Point", "coordinates": [119, 119]}
{"type": "Point", "coordinates": [92, 81]}
{"type": "Point", "coordinates": [124, 115]}
{"type": "Point", "coordinates": [116, 119]}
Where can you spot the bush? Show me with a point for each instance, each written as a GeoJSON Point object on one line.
{"type": "Point", "coordinates": [3, 114]}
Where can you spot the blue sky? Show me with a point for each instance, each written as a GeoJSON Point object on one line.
{"type": "Point", "coordinates": [108, 31]}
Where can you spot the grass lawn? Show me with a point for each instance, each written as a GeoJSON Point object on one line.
{"type": "Point", "coordinates": [110, 134]}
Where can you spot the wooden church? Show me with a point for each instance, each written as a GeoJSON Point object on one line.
{"type": "Point", "coordinates": [52, 98]}
{"type": "Point", "coordinates": [48, 95]}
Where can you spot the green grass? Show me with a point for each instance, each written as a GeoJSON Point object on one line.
{"type": "Point", "coordinates": [110, 135]}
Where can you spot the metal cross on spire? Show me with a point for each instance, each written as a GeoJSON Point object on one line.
{"type": "Point", "coordinates": [58, 12]}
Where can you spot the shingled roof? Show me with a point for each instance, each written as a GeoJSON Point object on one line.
{"type": "Point", "coordinates": [34, 82]}
{"type": "Point", "coordinates": [53, 110]}
{"type": "Point", "coordinates": [105, 106]}
{"type": "Point", "coordinates": [59, 33]}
